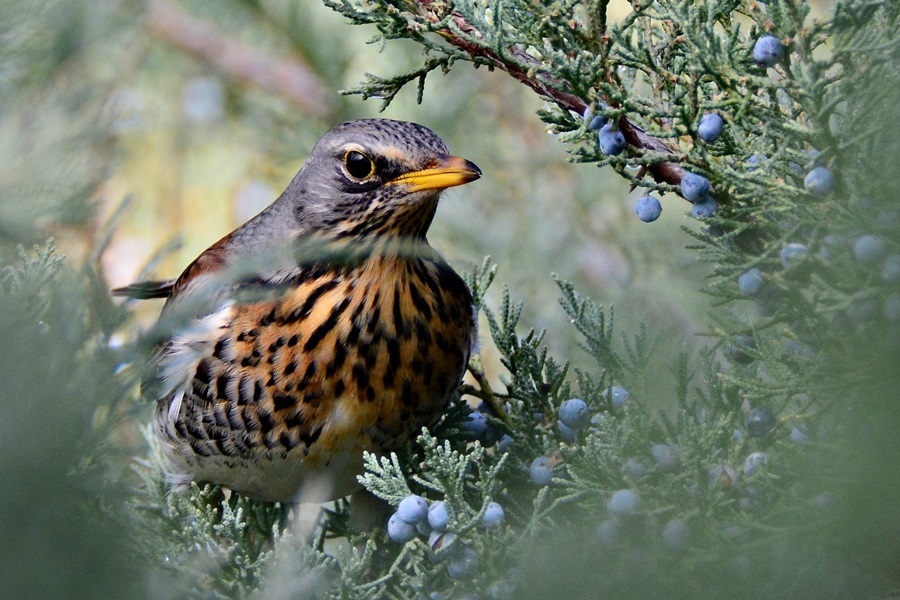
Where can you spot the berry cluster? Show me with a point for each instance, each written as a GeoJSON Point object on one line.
{"type": "Point", "coordinates": [574, 417]}
{"type": "Point", "coordinates": [768, 51]}
{"type": "Point", "coordinates": [477, 427]}
{"type": "Point", "coordinates": [859, 273]}
{"type": "Point", "coordinates": [629, 517]}
{"type": "Point", "coordinates": [414, 517]}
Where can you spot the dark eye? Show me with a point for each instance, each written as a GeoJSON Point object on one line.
{"type": "Point", "coordinates": [358, 165]}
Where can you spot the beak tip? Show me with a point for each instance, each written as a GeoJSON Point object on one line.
{"type": "Point", "coordinates": [469, 170]}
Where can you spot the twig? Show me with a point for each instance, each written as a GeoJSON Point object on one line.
{"type": "Point", "coordinates": [550, 87]}
{"type": "Point", "coordinates": [287, 77]}
{"type": "Point", "coordinates": [488, 395]}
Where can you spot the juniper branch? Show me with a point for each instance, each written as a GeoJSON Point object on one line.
{"type": "Point", "coordinates": [529, 71]}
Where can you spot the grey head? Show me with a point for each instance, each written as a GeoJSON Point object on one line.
{"type": "Point", "coordinates": [367, 178]}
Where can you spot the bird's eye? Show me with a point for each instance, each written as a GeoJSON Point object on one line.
{"type": "Point", "coordinates": [358, 165]}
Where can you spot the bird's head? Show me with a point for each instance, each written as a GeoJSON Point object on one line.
{"type": "Point", "coordinates": [369, 181]}
{"type": "Point", "coordinates": [375, 178]}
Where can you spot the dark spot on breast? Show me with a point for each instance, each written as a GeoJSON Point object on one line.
{"type": "Point", "coordinates": [418, 301]}
{"type": "Point", "coordinates": [248, 336]}
{"type": "Point", "coordinates": [442, 382]}
{"type": "Point", "coordinates": [353, 335]}
{"type": "Point", "coordinates": [406, 397]}
{"type": "Point", "coordinates": [304, 310]}
{"type": "Point", "coordinates": [221, 345]}
{"type": "Point", "coordinates": [245, 390]}
{"type": "Point", "coordinates": [399, 325]}
{"type": "Point", "coordinates": [372, 322]}
{"type": "Point", "coordinates": [393, 362]}
{"type": "Point", "coordinates": [223, 381]}
{"type": "Point", "coordinates": [375, 305]}
{"type": "Point", "coordinates": [288, 442]}
{"type": "Point", "coordinates": [340, 356]}
{"type": "Point", "coordinates": [361, 375]}
{"type": "Point", "coordinates": [393, 347]}
{"type": "Point", "coordinates": [369, 353]}
{"type": "Point", "coordinates": [290, 367]}
{"type": "Point", "coordinates": [219, 414]}
{"type": "Point", "coordinates": [234, 417]}
{"type": "Point", "coordinates": [339, 387]}
{"type": "Point", "coordinates": [322, 330]}
{"type": "Point", "coordinates": [294, 420]}
{"type": "Point", "coordinates": [310, 438]}
{"type": "Point", "coordinates": [204, 372]}
{"type": "Point", "coordinates": [370, 394]}
{"type": "Point", "coordinates": [249, 361]}
{"type": "Point", "coordinates": [266, 421]}
{"type": "Point", "coordinates": [283, 401]}
{"type": "Point", "coordinates": [257, 390]}
{"type": "Point", "coordinates": [292, 341]}
{"type": "Point", "coordinates": [313, 398]}
{"type": "Point", "coordinates": [274, 346]}
{"type": "Point", "coordinates": [268, 319]}
{"type": "Point", "coordinates": [443, 343]}
{"type": "Point", "coordinates": [423, 335]}
{"type": "Point", "coordinates": [307, 375]}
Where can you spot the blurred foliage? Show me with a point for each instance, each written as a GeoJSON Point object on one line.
{"type": "Point", "coordinates": [100, 101]}
{"type": "Point", "coordinates": [60, 469]}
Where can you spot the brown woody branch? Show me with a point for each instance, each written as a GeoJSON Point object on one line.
{"type": "Point", "coordinates": [550, 87]}
{"type": "Point", "coordinates": [289, 78]}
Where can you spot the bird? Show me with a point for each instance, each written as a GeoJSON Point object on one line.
{"type": "Point", "coordinates": [324, 327]}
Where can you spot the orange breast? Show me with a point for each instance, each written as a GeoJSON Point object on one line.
{"type": "Point", "coordinates": [376, 351]}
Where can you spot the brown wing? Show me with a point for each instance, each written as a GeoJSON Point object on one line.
{"type": "Point", "coordinates": [210, 260]}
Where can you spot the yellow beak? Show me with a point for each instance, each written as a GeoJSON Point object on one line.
{"type": "Point", "coordinates": [444, 172]}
